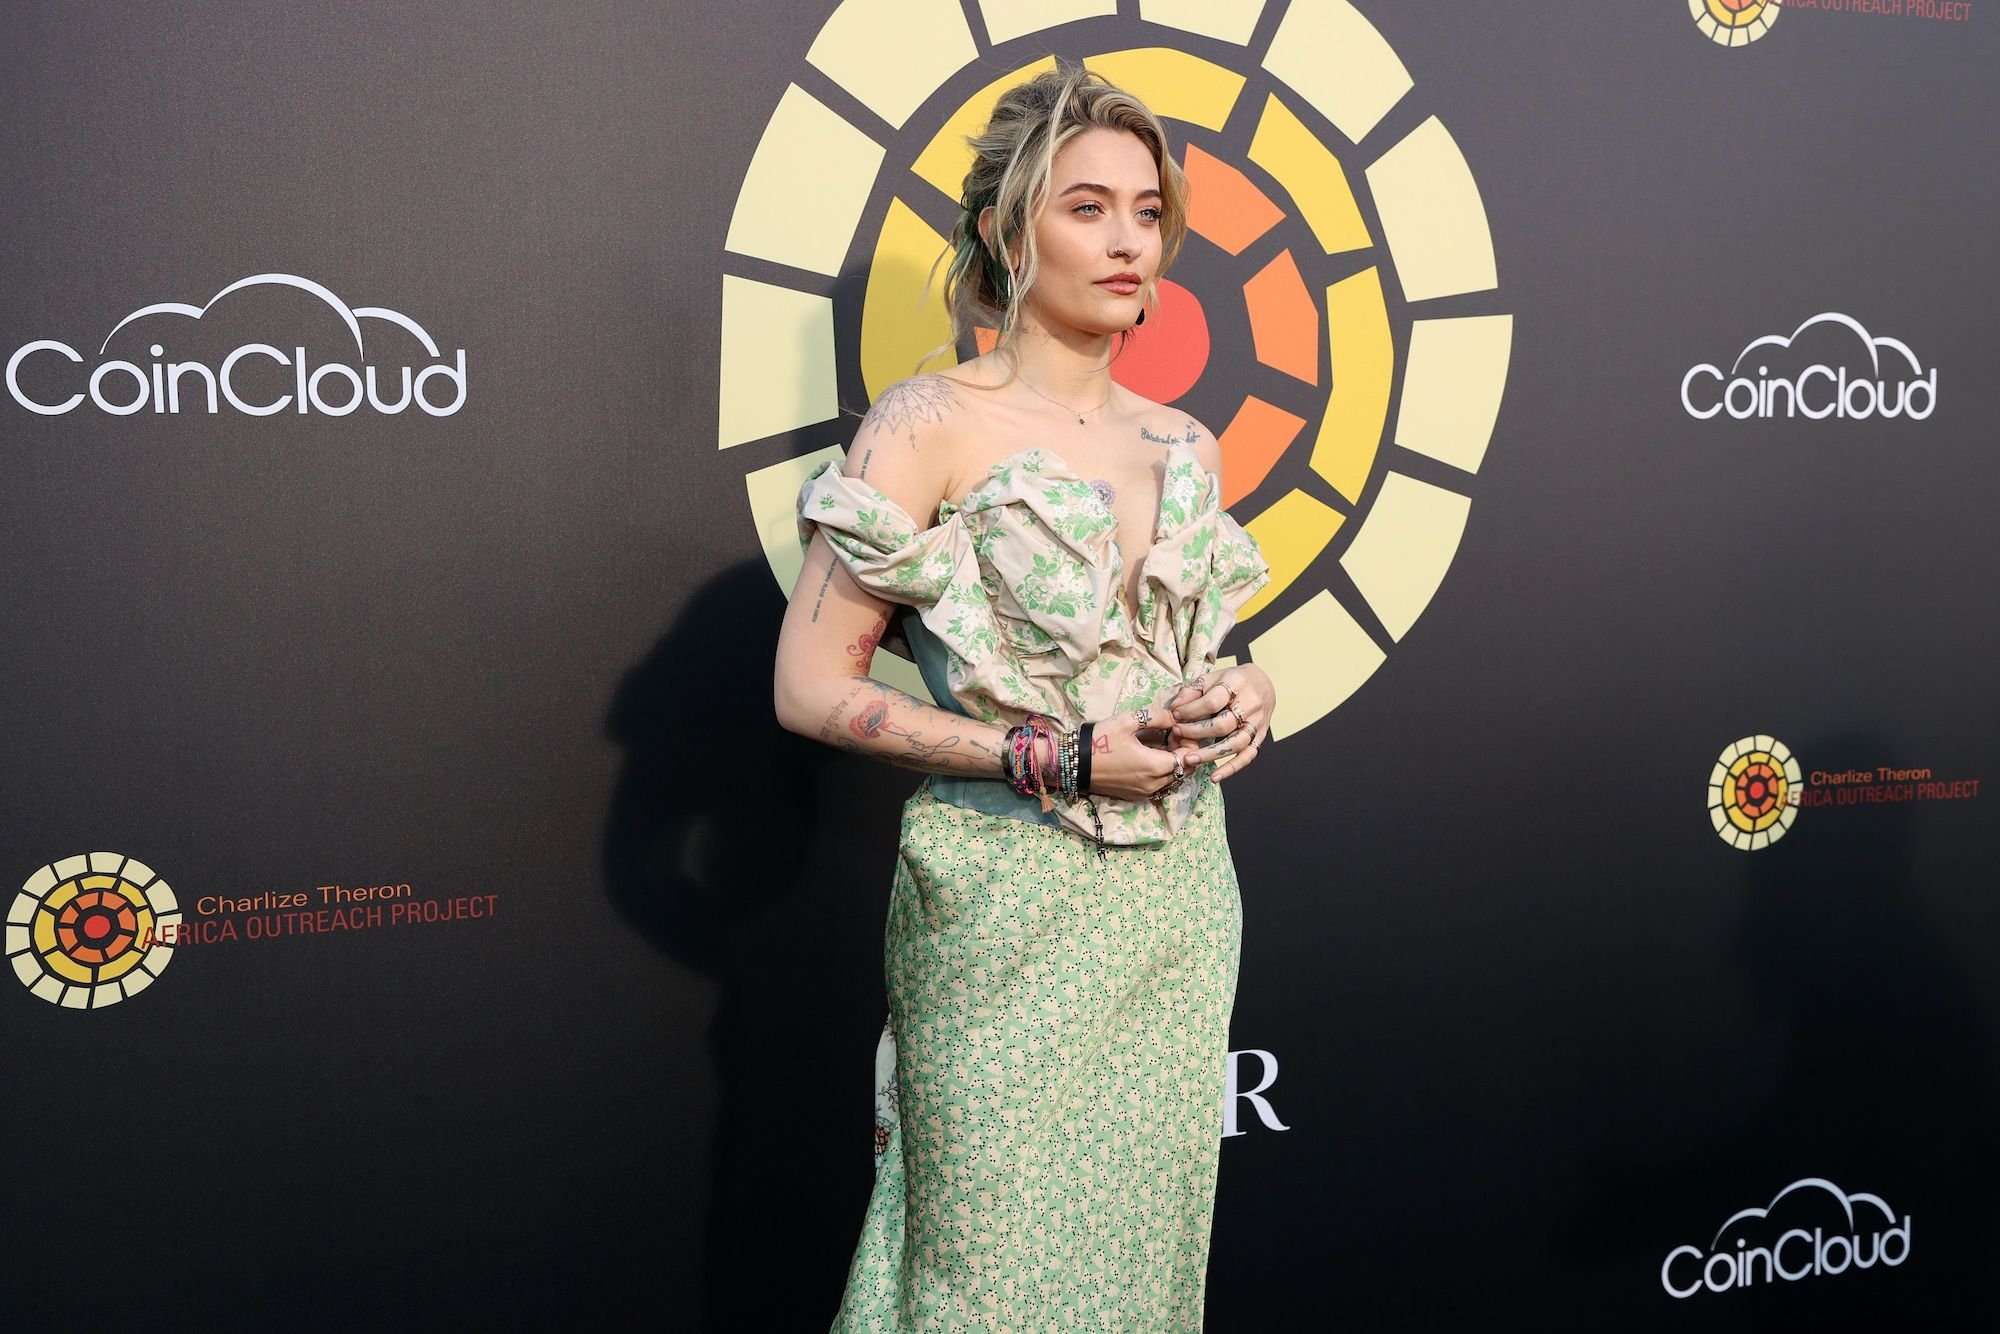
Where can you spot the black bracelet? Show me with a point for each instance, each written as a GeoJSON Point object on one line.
{"type": "Point", "coordinates": [1083, 757]}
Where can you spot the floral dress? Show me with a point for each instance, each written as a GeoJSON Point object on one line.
{"type": "Point", "coordinates": [1050, 1077]}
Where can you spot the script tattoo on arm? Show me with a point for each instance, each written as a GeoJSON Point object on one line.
{"type": "Point", "coordinates": [820, 601]}
{"type": "Point", "coordinates": [905, 405]}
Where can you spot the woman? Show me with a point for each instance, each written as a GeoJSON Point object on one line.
{"type": "Point", "coordinates": [1064, 921]}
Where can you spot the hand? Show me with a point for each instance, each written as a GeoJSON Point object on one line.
{"type": "Point", "coordinates": [1227, 714]}
{"type": "Point", "coordinates": [1132, 753]}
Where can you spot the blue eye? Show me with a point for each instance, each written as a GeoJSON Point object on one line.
{"type": "Point", "coordinates": [1081, 207]}
{"type": "Point", "coordinates": [1151, 214]}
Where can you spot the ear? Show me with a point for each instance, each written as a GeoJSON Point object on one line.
{"type": "Point", "coordinates": [986, 227]}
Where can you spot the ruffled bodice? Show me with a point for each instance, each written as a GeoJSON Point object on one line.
{"type": "Point", "coordinates": [1022, 583]}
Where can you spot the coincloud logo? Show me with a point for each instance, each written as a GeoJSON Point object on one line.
{"type": "Point", "coordinates": [1744, 1252]}
{"type": "Point", "coordinates": [1892, 384]}
{"type": "Point", "coordinates": [257, 379]}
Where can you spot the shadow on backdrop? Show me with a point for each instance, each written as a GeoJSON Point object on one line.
{"type": "Point", "coordinates": [711, 825]}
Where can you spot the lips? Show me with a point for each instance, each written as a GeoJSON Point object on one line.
{"type": "Point", "coordinates": [1125, 284]}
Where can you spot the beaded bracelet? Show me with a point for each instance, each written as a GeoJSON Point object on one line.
{"type": "Point", "coordinates": [1038, 756]}
{"type": "Point", "coordinates": [1068, 763]}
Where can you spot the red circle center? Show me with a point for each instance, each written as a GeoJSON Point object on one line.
{"type": "Point", "coordinates": [97, 926]}
{"type": "Point", "coordinates": [1166, 355]}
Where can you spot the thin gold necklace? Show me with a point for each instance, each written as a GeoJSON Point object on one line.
{"type": "Point", "coordinates": [1059, 403]}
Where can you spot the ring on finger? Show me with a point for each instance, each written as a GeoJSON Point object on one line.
{"type": "Point", "coordinates": [1236, 713]}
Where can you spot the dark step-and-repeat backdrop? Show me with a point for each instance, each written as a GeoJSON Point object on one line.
{"type": "Point", "coordinates": [416, 919]}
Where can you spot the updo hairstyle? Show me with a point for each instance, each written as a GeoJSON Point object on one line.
{"type": "Point", "coordinates": [1013, 160]}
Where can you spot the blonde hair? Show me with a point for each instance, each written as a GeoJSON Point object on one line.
{"type": "Point", "coordinates": [1013, 160]}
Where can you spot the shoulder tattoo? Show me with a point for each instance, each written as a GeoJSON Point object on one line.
{"type": "Point", "coordinates": [908, 404]}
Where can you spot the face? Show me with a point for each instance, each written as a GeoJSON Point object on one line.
{"type": "Point", "coordinates": [1098, 236]}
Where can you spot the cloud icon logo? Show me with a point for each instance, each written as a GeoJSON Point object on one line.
{"type": "Point", "coordinates": [1869, 341]}
{"type": "Point", "coordinates": [351, 317]}
{"type": "Point", "coordinates": [1847, 1203]}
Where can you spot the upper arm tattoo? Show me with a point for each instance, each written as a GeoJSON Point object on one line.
{"type": "Point", "coordinates": [820, 601]}
{"type": "Point", "coordinates": [863, 649]}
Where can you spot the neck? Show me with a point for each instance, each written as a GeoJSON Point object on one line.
{"type": "Point", "coordinates": [1069, 365]}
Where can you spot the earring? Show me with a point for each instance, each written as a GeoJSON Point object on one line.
{"type": "Point", "coordinates": [1142, 318]}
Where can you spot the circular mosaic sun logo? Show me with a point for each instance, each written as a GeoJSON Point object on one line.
{"type": "Point", "coordinates": [1734, 22]}
{"type": "Point", "coordinates": [84, 931]}
{"type": "Point", "coordinates": [1753, 792]}
{"type": "Point", "coordinates": [1331, 314]}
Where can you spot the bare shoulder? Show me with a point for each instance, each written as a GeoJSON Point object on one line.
{"type": "Point", "coordinates": [1162, 425]}
{"type": "Point", "coordinates": [903, 447]}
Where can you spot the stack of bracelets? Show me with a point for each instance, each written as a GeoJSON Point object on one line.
{"type": "Point", "coordinates": [1041, 760]}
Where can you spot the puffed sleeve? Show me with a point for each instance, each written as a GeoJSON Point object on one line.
{"type": "Point", "coordinates": [934, 570]}
{"type": "Point", "coordinates": [1236, 571]}
{"type": "Point", "coordinates": [878, 542]}
{"type": "Point", "coordinates": [1205, 570]}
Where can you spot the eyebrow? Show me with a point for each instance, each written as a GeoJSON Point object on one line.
{"type": "Point", "coordinates": [1092, 187]}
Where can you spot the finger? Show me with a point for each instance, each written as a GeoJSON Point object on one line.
{"type": "Point", "coordinates": [1242, 760]}
{"type": "Point", "coordinates": [1207, 729]}
{"type": "Point", "coordinates": [1227, 748]}
{"type": "Point", "coordinates": [1208, 703]}
{"type": "Point", "coordinates": [1220, 693]}
{"type": "Point", "coordinates": [1227, 688]}
{"type": "Point", "coordinates": [1170, 778]}
{"type": "Point", "coordinates": [1247, 757]}
{"type": "Point", "coordinates": [1226, 722]}
{"type": "Point", "coordinates": [1152, 715]}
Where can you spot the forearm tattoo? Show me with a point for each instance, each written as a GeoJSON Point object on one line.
{"type": "Point", "coordinates": [869, 711]}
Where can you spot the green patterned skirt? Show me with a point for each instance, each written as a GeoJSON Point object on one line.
{"type": "Point", "coordinates": [1060, 1033]}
